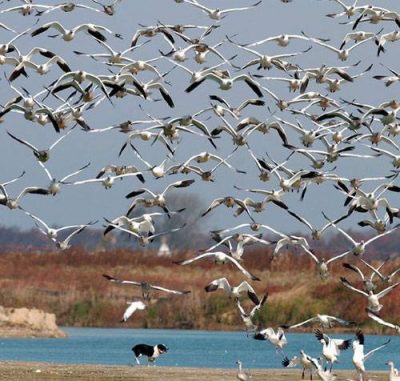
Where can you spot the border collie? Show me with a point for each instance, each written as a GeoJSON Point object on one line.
{"type": "Point", "coordinates": [152, 352]}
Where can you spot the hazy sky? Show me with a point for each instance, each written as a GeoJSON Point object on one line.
{"type": "Point", "coordinates": [79, 204]}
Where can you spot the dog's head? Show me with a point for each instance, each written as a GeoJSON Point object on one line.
{"type": "Point", "coordinates": [162, 348]}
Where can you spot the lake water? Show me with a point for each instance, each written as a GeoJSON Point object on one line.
{"type": "Point", "coordinates": [208, 349]}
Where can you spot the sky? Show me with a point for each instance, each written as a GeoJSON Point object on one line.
{"type": "Point", "coordinates": [88, 202]}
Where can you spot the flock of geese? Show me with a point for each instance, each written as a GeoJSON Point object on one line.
{"type": "Point", "coordinates": [316, 130]}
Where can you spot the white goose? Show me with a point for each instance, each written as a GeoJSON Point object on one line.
{"type": "Point", "coordinates": [373, 299]}
{"type": "Point", "coordinates": [359, 357]}
{"type": "Point", "coordinates": [219, 258]}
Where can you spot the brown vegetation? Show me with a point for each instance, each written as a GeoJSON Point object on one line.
{"type": "Point", "coordinates": [70, 284]}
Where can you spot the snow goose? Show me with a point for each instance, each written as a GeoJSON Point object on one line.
{"type": "Point", "coordinates": [229, 202]}
{"type": "Point", "coordinates": [68, 7]}
{"type": "Point", "coordinates": [277, 339]}
{"type": "Point", "coordinates": [348, 10]}
{"type": "Point", "coordinates": [157, 199]}
{"type": "Point", "coordinates": [384, 278]}
{"type": "Point", "coordinates": [69, 34]}
{"type": "Point", "coordinates": [331, 347]}
{"type": "Point", "coordinates": [379, 320]}
{"type": "Point", "coordinates": [219, 257]}
{"type": "Point", "coordinates": [217, 13]}
{"type": "Point", "coordinates": [393, 372]}
{"type": "Point", "coordinates": [268, 62]}
{"type": "Point", "coordinates": [64, 244]}
{"type": "Point", "coordinates": [41, 155]}
{"type": "Point", "coordinates": [325, 321]}
{"type": "Point", "coordinates": [52, 233]}
{"type": "Point", "coordinates": [145, 287]}
{"type": "Point", "coordinates": [113, 56]}
{"type": "Point", "coordinates": [241, 239]}
{"type": "Point", "coordinates": [9, 46]}
{"type": "Point", "coordinates": [323, 374]}
{"type": "Point", "coordinates": [132, 308]}
{"type": "Point", "coordinates": [282, 40]}
{"type": "Point", "coordinates": [304, 360]}
{"type": "Point", "coordinates": [119, 170]}
{"type": "Point", "coordinates": [388, 80]}
{"type": "Point", "coordinates": [26, 9]}
{"type": "Point", "coordinates": [234, 111]}
{"type": "Point", "coordinates": [247, 318]}
{"type": "Point", "coordinates": [143, 224]}
{"type": "Point", "coordinates": [141, 238]}
{"type": "Point", "coordinates": [243, 375]}
{"type": "Point", "coordinates": [233, 291]}
{"type": "Point", "coordinates": [359, 357]}
{"type": "Point", "coordinates": [107, 181]}
{"type": "Point", "coordinates": [373, 299]}
{"type": "Point", "coordinates": [358, 247]}
{"type": "Point", "coordinates": [226, 83]}
{"type": "Point", "coordinates": [367, 281]}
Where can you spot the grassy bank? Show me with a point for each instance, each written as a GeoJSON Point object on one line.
{"type": "Point", "coordinates": [71, 285]}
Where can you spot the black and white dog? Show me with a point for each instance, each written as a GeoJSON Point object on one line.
{"type": "Point", "coordinates": [152, 352]}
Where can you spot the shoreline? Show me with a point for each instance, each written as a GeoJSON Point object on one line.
{"type": "Point", "coordinates": [20, 370]}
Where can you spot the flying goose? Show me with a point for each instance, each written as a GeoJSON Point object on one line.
{"type": "Point", "coordinates": [233, 291]}
{"type": "Point", "coordinates": [368, 283]}
{"type": "Point", "coordinates": [52, 233]}
{"type": "Point", "coordinates": [69, 34]}
{"type": "Point", "coordinates": [226, 83]}
{"type": "Point", "coordinates": [133, 307]}
{"type": "Point", "coordinates": [145, 287]}
{"type": "Point", "coordinates": [384, 278]}
{"type": "Point", "coordinates": [141, 238]}
{"type": "Point", "coordinates": [379, 320]}
{"type": "Point", "coordinates": [388, 80]}
{"type": "Point", "coordinates": [277, 339]}
{"type": "Point", "coordinates": [219, 258]}
{"type": "Point", "coordinates": [325, 321]}
{"type": "Point", "coordinates": [41, 155]}
{"type": "Point", "coordinates": [64, 244]}
{"type": "Point", "coordinates": [54, 186]}
{"type": "Point", "coordinates": [358, 247]}
{"type": "Point", "coordinates": [108, 180]}
{"type": "Point", "coordinates": [157, 199]}
{"type": "Point", "coordinates": [217, 13]}
{"type": "Point", "coordinates": [247, 318]}
{"type": "Point", "coordinates": [373, 299]}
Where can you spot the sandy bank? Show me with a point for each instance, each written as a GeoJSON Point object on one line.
{"type": "Point", "coordinates": [11, 371]}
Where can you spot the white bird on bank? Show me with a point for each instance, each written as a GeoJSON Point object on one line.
{"type": "Point", "coordinates": [393, 372]}
{"type": "Point", "coordinates": [304, 360]}
{"type": "Point", "coordinates": [241, 374]}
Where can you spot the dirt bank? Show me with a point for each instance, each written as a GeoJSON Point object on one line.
{"type": "Point", "coordinates": [13, 371]}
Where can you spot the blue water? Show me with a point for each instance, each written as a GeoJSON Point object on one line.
{"type": "Point", "coordinates": [187, 348]}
